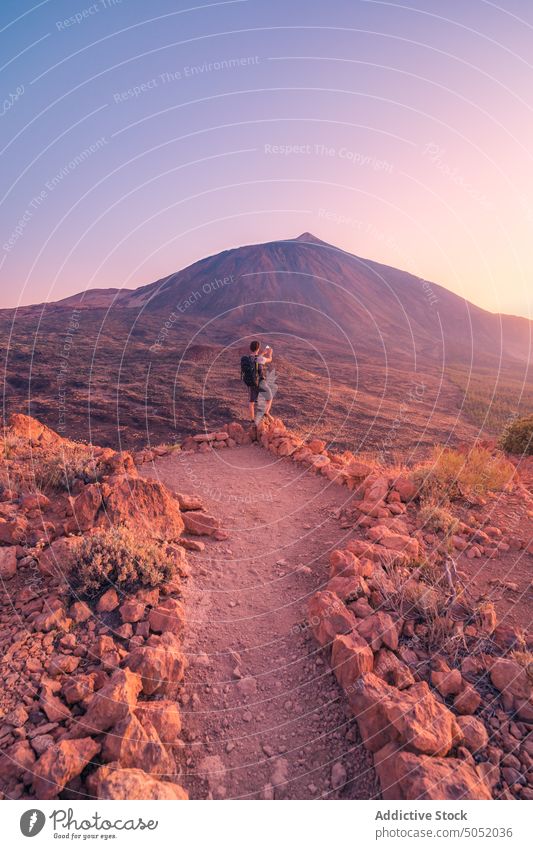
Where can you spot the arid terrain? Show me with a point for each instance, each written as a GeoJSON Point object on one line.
{"type": "Point", "coordinates": [260, 616]}
{"type": "Point", "coordinates": [367, 356]}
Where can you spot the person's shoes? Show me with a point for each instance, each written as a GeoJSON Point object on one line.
{"type": "Point", "coordinates": [253, 432]}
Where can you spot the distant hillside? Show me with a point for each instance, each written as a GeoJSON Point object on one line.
{"type": "Point", "coordinates": [352, 340]}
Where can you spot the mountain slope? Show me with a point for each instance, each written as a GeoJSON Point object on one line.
{"type": "Point", "coordinates": [363, 351]}
{"type": "Point", "coordinates": [307, 283]}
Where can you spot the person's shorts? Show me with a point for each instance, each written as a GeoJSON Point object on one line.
{"type": "Point", "coordinates": [263, 388]}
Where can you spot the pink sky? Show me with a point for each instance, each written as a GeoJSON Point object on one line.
{"type": "Point", "coordinates": [135, 141]}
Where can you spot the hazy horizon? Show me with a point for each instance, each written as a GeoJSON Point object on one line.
{"type": "Point", "coordinates": [135, 144]}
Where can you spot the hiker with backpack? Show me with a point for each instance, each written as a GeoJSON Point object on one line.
{"type": "Point", "coordinates": [254, 375]}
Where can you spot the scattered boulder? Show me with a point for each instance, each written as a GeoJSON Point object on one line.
{"type": "Point", "coordinates": [8, 562]}
{"type": "Point", "coordinates": [351, 656]}
{"type": "Point", "coordinates": [468, 700]}
{"type": "Point", "coordinates": [160, 664]}
{"type": "Point", "coordinates": [60, 764]}
{"type": "Point", "coordinates": [474, 732]}
{"type": "Point", "coordinates": [108, 601]}
{"type": "Point", "coordinates": [164, 715]}
{"type": "Point", "coordinates": [133, 784]}
{"type": "Point", "coordinates": [405, 775]}
{"type": "Point", "coordinates": [168, 616]}
{"type": "Point", "coordinates": [379, 629]}
{"type": "Point", "coordinates": [412, 718]}
{"type": "Point", "coordinates": [112, 703]}
{"type": "Point", "coordinates": [448, 683]}
{"type": "Point", "coordinates": [132, 610]}
{"type": "Point", "coordinates": [509, 677]}
{"type": "Point", "coordinates": [199, 523]}
{"type": "Point", "coordinates": [131, 743]}
{"type": "Point", "coordinates": [145, 505]}
{"type": "Point", "coordinates": [328, 617]}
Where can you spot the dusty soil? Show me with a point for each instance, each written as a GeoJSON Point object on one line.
{"type": "Point", "coordinates": [263, 714]}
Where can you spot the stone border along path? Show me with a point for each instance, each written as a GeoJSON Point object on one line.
{"type": "Point", "coordinates": [263, 716]}
{"type": "Point", "coordinates": [236, 716]}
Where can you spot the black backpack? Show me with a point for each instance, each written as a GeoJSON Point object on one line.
{"type": "Point", "coordinates": [249, 370]}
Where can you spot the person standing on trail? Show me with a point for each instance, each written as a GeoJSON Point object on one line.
{"type": "Point", "coordinates": [254, 375]}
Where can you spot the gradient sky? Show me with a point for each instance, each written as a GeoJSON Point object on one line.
{"type": "Point", "coordinates": [400, 132]}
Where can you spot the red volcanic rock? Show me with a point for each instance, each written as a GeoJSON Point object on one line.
{"type": "Point", "coordinates": [132, 784]}
{"type": "Point", "coordinates": [168, 616]}
{"type": "Point", "coordinates": [80, 612]}
{"type": "Point", "coordinates": [236, 432]}
{"type": "Point", "coordinates": [52, 706]}
{"type": "Point", "coordinates": [52, 619]}
{"type": "Point", "coordinates": [392, 670]}
{"type": "Point", "coordinates": [144, 505]}
{"type": "Point", "coordinates": [405, 487]}
{"type": "Point", "coordinates": [131, 744]}
{"type": "Point", "coordinates": [358, 470]}
{"type": "Point", "coordinates": [8, 562]}
{"type": "Point", "coordinates": [474, 732]}
{"type": "Point", "coordinates": [379, 629]}
{"type": "Point", "coordinates": [16, 760]}
{"type": "Point", "coordinates": [351, 656]}
{"type": "Point", "coordinates": [404, 775]}
{"type": "Point", "coordinates": [164, 715]}
{"type": "Point", "coordinates": [448, 683]}
{"type": "Point", "coordinates": [468, 700]}
{"type": "Point", "coordinates": [26, 427]}
{"type": "Point", "coordinates": [412, 718]}
{"type": "Point", "coordinates": [13, 532]}
{"type": "Point", "coordinates": [316, 446]}
{"type": "Point", "coordinates": [160, 664]}
{"type": "Point", "coordinates": [57, 559]}
{"type": "Point", "coordinates": [78, 688]}
{"type": "Point", "coordinates": [509, 677]}
{"type": "Point", "coordinates": [199, 523]}
{"type": "Point", "coordinates": [85, 508]}
{"type": "Point", "coordinates": [348, 589]}
{"type": "Point", "coordinates": [189, 502]}
{"type": "Point", "coordinates": [108, 601]}
{"type": "Point", "coordinates": [108, 706]}
{"type": "Point", "coordinates": [328, 617]}
{"type": "Point", "coordinates": [344, 563]}
{"type": "Point", "coordinates": [60, 764]}
{"type": "Point", "coordinates": [62, 664]}
{"type": "Point", "coordinates": [395, 542]}
{"type": "Point", "coordinates": [132, 610]}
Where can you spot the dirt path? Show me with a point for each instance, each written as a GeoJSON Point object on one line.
{"type": "Point", "coordinates": [263, 715]}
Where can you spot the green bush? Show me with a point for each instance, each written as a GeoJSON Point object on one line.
{"type": "Point", "coordinates": [517, 437]}
{"type": "Point", "coordinates": [118, 557]}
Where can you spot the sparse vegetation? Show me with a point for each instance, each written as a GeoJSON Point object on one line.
{"type": "Point", "coordinates": [452, 473]}
{"type": "Point", "coordinates": [118, 557]}
{"type": "Point", "coordinates": [517, 438]}
{"type": "Point", "coordinates": [53, 472]}
{"type": "Point", "coordinates": [489, 399]}
{"type": "Point", "coordinates": [437, 517]}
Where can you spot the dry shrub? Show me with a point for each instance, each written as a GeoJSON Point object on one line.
{"type": "Point", "coordinates": [118, 557]}
{"type": "Point", "coordinates": [438, 518]}
{"type": "Point", "coordinates": [525, 659]}
{"type": "Point", "coordinates": [452, 473]}
{"type": "Point", "coordinates": [53, 472]}
{"type": "Point", "coordinates": [517, 437]}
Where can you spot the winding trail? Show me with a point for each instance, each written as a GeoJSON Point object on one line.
{"type": "Point", "coordinates": [263, 715]}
